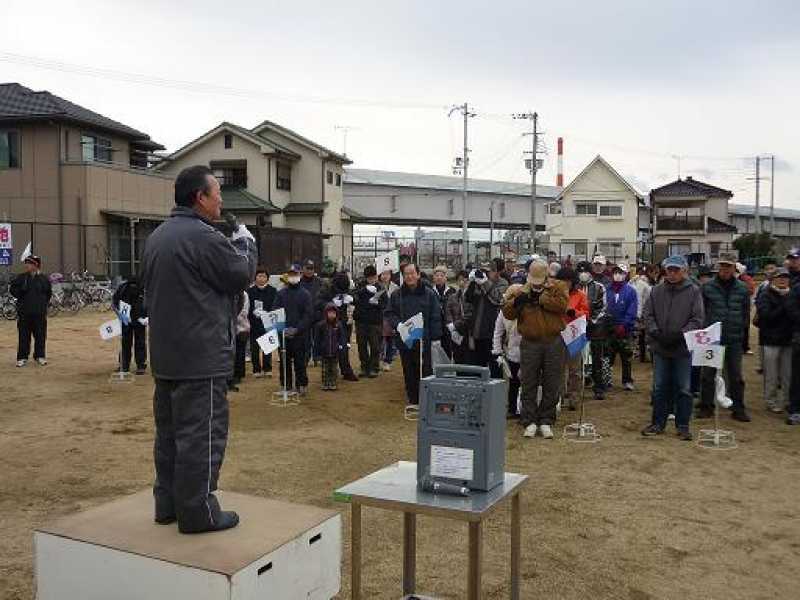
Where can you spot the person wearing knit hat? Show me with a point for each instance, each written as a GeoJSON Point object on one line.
{"type": "Point", "coordinates": [33, 292]}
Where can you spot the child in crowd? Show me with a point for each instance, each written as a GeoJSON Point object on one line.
{"type": "Point", "coordinates": [388, 349]}
{"type": "Point", "coordinates": [330, 339]}
{"type": "Point", "coordinates": [262, 297]}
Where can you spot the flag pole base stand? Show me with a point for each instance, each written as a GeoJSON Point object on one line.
{"type": "Point", "coordinates": [121, 377]}
{"type": "Point", "coordinates": [581, 432]}
{"type": "Point", "coordinates": [716, 439]}
{"type": "Point", "coordinates": [411, 412]}
{"type": "Point", "coordinates": [284, 398]}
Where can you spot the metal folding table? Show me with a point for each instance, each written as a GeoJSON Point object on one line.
{"type": "Point", "coordinates": [395, 488]}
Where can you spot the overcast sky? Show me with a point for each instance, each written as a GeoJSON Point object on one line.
{"type": "Point", "coordinates": [713, 81]}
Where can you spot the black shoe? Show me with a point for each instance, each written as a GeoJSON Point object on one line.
{"type": "Point", "coordinates": [571, 407]}
{"type": "Point", "coordinates": [652, 430]}
{"type": "Point", "coordinates": [512, 416]}
{"type": "Point", "coordinates": [166, 520]}
{"type": "Point", "coordinates": [741, 415]}
{"type": "Point", "coordinates": [141, 370]}
{"type": "Point", "coordinates": [684, 435]}
{"type": "Point", "coordinates": [372, 374]}
{"type": "Point", "coordinates": [350, 377]}
{"type": "Point", "coordinates": [227, 520]}
{"type": "Point", "coordinates": [599, 395]}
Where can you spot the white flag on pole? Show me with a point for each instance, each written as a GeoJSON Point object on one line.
{"type": "Point", "coordinates": [110, 329]}
{"type": "Point", "coordinates": [703, 337]}
{"type": "Point", "coordinates": [274, 319]}
{"type": "Point", "coordinates": [390, 260]}
{"type": "Point", "coordinates": [25, 253]}
{"type": "Point", "coordinates": [411, 330]}
{"type": "Point", "coordinates": [574, 336]}
{"type": "Point", "coordinates": [124, 312]}
{"type": "Point", "coordinates": [268, 342]}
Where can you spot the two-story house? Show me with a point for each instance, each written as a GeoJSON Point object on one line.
{"type": "Point", "coordinates": [75, 183]}
{"type": "Point", "coordinates": [690, 218]}
{"type": "Point", "coordinates": [273, 176]}
{"type": "Point", "coordinates": [597, 213]}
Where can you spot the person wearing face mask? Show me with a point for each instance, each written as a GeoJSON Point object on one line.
{"type": "Point", "coordinates": [539, 308]}
{"type": "Point", "coordinates": [642, 287]}
{"type": "Point", "coordinates": [599, 273]}
{"type": "Point", "coordinates": [457, 316]}
{"type": "Point", "coordinates": [296, 302]}
{"type": "Point", "coordinates": [597, 325]}
{"type": "Point", "coordinates": [726, 300]}
{"type": "Point", "coordinates": [623, 306]}
{"type": "Point", "coordinates": [775, 338]}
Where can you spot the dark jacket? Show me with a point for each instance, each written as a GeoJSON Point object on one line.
{"type": "Point", "coordinates": [366, 312]}
{"type": "Point", "coordinates": [458, 312]}
{"type": "Point", "coordinates": [669, 312]}
{"type": "Point", "coordinates": [329, 338]}
{"type": "Point", "coordinates": [266, 296]}
{"type": "Point", "coordinates": [622, 307]}
{"type": "Point", "coordinates": [33, 294]}
{"type": "Point", "coordinates": [313, 285]}
{"type": "Point", "coordinates": [444, 297]}
{"type": "Point", "coordinates": [405, 303]}
{"type": "Point", "coordinates": [486, 299]}
{"type": "Point", "coordinates": [296, 302]}
{"type": "Point", "coordinates": [729, 304]}
{"type": "Point", "coordinates": [131, 292]}
{"type": "Point", "coordinates": [191, 275]}
{"type": "Point", "coordinates": [793, 309]}
{"type": "Point", "coordinates": [774, 320]}
{"type": "Point", "coordinates": [598, 323]}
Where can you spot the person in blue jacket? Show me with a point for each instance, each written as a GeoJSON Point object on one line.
{"type": "Point", "coordinates": [623, 305]}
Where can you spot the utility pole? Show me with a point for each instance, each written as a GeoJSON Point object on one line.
{"type": "Point", "coordinates": [772, 195]}
{"type": "Point", "coordinates": [344, 129]}
{"type": "Point", "coordinates": [534, 166]}
{"type": "Point", "coordinates": [462, 167]}
{"type": "Point", "coordinates": [758, 187]}
{"type": "Point", "coordinates": [491, 229]}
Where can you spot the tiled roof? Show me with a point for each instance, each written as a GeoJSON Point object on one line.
{"type": "Point", "coordinates": [305, 207]}
{"type": "Point", "coordinates": [303, 140]}
{"type": "Point", "coordinates": [715, 226]}
{"type": "Point", "coordinates": [690, 187]}
{"type": "Point", "coordinates": [746, 210]}
{"type": "Point", "coordinates": [445, 182]}
{"type": "Point", "coordinates": [240, 200]}
{"type": "Point", "coordinates": [20, 103]}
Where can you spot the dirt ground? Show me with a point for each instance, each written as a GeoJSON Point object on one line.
{"type": "Point", "coordinates": [625, 518]}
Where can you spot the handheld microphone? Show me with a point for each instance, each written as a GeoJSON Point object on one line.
{"type": "Point", "coordinates": [437, 487]}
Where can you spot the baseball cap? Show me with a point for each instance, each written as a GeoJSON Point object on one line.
{"type": "Point", "coordinates": [538, 272]}
{"type": "Point", "coordinates": [781, 272]}
{"type": "Point", "coordinates": [727, 258]}
{"type": "Point", "coordinates": [34, 260]}
{"type": "Point", "coordinates": [675, 261]}
{"type": "Point", "coordinates": [599, 259]}
{"type": "Point", "coordinates": [793, 253]}
{"type": "Point", "coordinates": [621, 267]}
{"type": "Point", "coordinates": [309, 263]}
{"type": "Point", "coordinates": [294, 268]}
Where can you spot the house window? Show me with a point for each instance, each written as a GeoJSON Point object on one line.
{"type": "Point", "coordinates": [611, 249]}
{"type": "Point", "coordinates": [612, 211]}
{"type": "Point", "coordinates": [554, 208]}
{"type": "Point", "coordinates": [575, 249]}
{"type": "Point", "coordinates": [338, 180]}
{"type": "Point", "coordinates": [228, 141]}
{"type": "Point", "coordinates": [585, 209]}
{"type": "Point", "coordinates": [96, 148]}
{"type": "Point", "coordinates": [9, 149]}
{"type": "Point", "coordinates": [714, 248]}
{"type": "Point", "coordinates": [283, 178]}
{"type": "Point", "coordinates": [231, 175]}
{"type": "Point", "coordinates": [330, 177]}
{"type": "Point", "coordinates": [679, 247]}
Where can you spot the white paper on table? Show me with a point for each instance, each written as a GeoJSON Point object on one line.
{"type": "Point", "coordinates": [268, 342]}
{"type": "Point", "coordinates": [110, 329]}
{"type": "Point", "coordinates": [453, 463]}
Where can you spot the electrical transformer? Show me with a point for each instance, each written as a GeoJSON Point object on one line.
{"type": "Point", "coordinates": [461, 432]}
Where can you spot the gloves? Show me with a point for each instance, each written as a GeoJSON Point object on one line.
{"type": "Point", "coordinates": [472, 275]}
{"type": "Point", "coordinates": [451, 327]}
{"type": "Point", "coordinates": [337, 302]}
{"type": "Point", "coordinates": [372, 289]}
{"type": "Point", "coordinates": [374, 301]}
{"type": "Point", "coordinates": [480, 277]}
{"type": "Point", "coordinates": [144, 321]}
{"type": "Point", "coordinates": [242, 232]}
{"type": "Point", "coordinates": [290, 332]}
{"type": "Point", "coordinates": [523, 299]}
{"type": "Point", "coordinates": [571, 313]}
{"type": "Point", "coordinates": [436, 345]}
{"type": "Point", "coordinates": [671, 340]}
{"type": "Point", "coordinates": [620, 331]}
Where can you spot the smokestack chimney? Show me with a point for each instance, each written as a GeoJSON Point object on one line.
{"type": "Point", "coordinates": [560, 174]}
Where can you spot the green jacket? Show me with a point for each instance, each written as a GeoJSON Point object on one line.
{"type": "Point", "coordinates": [730, 306]}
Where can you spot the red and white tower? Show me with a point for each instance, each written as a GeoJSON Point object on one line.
{"type": "Point", "coordinates": [560, 174]}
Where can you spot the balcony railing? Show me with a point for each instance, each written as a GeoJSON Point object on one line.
{"type": "Point", "coordinates": [680, 223]}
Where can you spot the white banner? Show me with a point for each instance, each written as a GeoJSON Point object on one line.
{"type": "Point", "coordinates": [712, 355]}
{"type": "Point", "coordinates": [390, 260]}
{"type": "Point", "coordinates": [5, 237]}
{"type": "Point", "coordinates": [268, 342]}
{"type": "Point", "coordinates": [110, 329]}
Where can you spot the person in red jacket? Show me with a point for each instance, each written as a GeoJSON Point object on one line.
{"type": "Point", "coordinates": [577, 307]}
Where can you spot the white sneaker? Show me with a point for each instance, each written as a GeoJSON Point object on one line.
{"type": "Point", "coordinates": [547, 431]}
{"type": "Point", "coordinates": [530, 431]}
{"type": "Point", "coordinates": [258, 375]}
{"type": "Point", "coordinates": [41, 361]}
{"type": "Point", "coordinates": [22, 363]}
{"type": "Point", "coordinates": [269, 374]}
{"type": "Point", "coordinates": [302, 390]}
{"type": "Point", "coordinates": [629, 386]}
{"type": "Point", "coordinates": [387, 366]}
{"type": "Point", "coordinates": [670, 417]}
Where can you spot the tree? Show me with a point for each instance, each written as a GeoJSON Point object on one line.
{"type": "Point", "coordinates": [754, 245]}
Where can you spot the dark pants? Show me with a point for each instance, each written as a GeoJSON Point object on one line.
{"type": "Point", "coordinates": [598, 350]}
{"type": "Point", "coordinates": [330, 372]}
{"type": "Point", "coordinates": [295, 368]}
{"type": "Point", "coordinates": [134, 335]}
{"type": "Point", "coordinates": [368, 338]}
{"type": "Point", "coordinates": [191, 418]}
{"type": "Point", "coordinates": [344, 354]}
{"type": "Point", "coordinates": [241, 351]}
{"type": "Point", "coordinates": [541, 363]}
{"type": "Point", "coordinates": [481, 356]}
{"type": "Point", "coordinates": [733, 379]}
{"type": "Point", "coordinates": [621, 346]}
{"type": "Point", "coordinates": [460, 353]}
{"type": "Point", "coordinates": [28, 326]}
{"type": "Point", "coordinates": [513, 388]}
{"type": "Point", "coordinates": [389, 349]}
{"type": "Point", "coordinates": [642, 345]}
{"type": "Point", "coordinates": [794, 388]}
{"type": "Point", "coordinates": [672, 390]}
{"type": "Point", "coordinates": [259, 360]}
{"type": "Point", "coordinates": [411, 375]}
